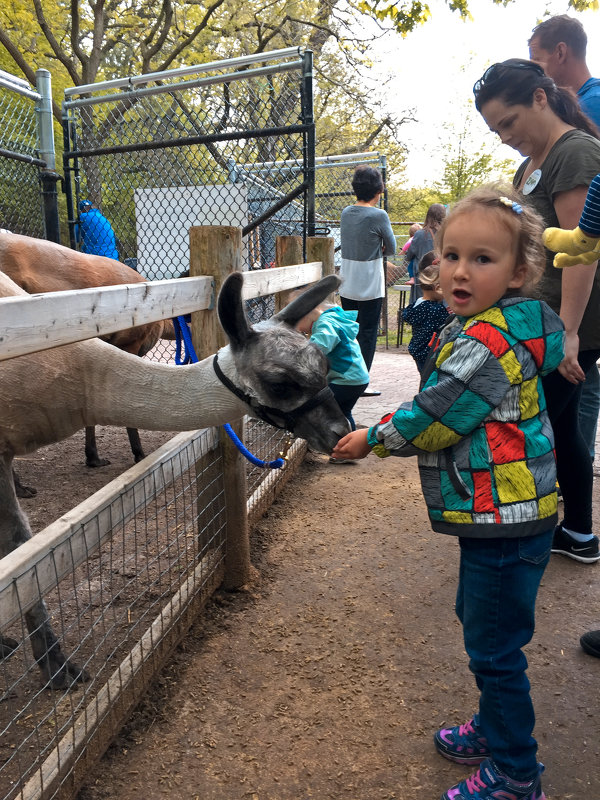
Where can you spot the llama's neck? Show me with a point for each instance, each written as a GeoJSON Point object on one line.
{"type": "Point", "coordinates": [141, 394]}
{"type": "Point", "coordinates": [50, 395]}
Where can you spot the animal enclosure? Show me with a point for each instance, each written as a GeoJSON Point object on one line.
{"type": "Point", "coordinates": [124, 573]}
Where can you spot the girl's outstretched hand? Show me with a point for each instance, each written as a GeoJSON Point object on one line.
{"type": "Point", "coordinates": [353, 445]}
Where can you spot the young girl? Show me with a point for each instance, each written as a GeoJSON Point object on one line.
{"type": "Point", "coordinates": [427, 314]}
{"type": "Point", "coordinates": [485, 445]}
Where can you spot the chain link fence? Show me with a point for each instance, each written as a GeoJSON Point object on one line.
{"type": "Point", "coordinates": [21, 206]}
{"type": "Point", "coordinates": [203, 145]}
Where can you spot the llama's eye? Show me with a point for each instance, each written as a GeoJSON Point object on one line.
{"type": "Point", "coordinates": [281, 389]}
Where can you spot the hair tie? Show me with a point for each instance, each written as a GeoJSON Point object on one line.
{"type": "Point", "coordinates": [511, 204]}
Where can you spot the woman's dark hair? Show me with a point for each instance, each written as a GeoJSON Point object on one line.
{"type": "Point", "coordinates": [436, 214]}
{"type": "Point", "coordinates": [366, 183]}
{"type": "Point", "coordinates": [516, 80]}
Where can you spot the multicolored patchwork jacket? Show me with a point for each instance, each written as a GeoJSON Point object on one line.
{"type": "Point", "coordinates": [479, 425]}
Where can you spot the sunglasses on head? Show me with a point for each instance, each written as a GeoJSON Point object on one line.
{"type": "Point", "coordinates": [497, 71]}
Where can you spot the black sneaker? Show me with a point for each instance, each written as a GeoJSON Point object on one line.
{"type": "Point", "coordinates": [590, 642]}
{"type": "Point", "coordinates": [566, 545]}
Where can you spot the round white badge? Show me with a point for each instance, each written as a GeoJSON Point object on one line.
{"type": "Point", "coordinates": [532, 181]}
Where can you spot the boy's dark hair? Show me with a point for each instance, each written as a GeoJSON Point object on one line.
{"type": "Point", "coordinates": [366, 183]}
{"type": "Point", "coordinates": [426, 260]}
{"type": "Point", "coordinates": [561, 28]}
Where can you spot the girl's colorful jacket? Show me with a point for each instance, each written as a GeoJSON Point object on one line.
{"type": "Point", "coordinates": [479, 425]}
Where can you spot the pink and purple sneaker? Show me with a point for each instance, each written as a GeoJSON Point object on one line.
{"type": "Point", "coordinates": [488, 783]}
{"type": "Point", "coordinates": [463, 744]}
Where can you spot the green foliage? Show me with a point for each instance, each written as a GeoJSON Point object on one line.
{"type": "Point", "coordinates": [406, 16]}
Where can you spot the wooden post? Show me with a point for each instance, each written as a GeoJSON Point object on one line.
{"type": "Point", "coordinates": [217, 250]}
{"type": "Point", "coordinates": [288, 251]}
{"type": "Point", "coordinates": [322, 248]}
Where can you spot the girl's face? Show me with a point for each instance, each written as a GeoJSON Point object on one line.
{"type": "Point", "coordinates": [477, 263]}
{"type": "Point", "coordinates": [518, 126]}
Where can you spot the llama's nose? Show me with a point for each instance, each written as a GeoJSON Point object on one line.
{"type": "Point", "coordinates": [341, 428]}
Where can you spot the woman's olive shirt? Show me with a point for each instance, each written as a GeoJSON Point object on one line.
{"type": "Point", "coordinates": [573, 161]}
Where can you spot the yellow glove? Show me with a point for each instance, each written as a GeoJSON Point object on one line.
{"type": "Point", "coordinates": [571, 247]}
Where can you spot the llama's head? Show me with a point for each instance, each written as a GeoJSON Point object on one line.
{"type": "Point", "coordinates": [282, 371]}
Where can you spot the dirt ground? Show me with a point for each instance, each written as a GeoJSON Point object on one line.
{"type": "Point", "coordinates": [329, 675]}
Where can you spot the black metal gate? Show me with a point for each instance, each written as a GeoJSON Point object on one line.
{"type": "Point", "coordinates": [203, 145]}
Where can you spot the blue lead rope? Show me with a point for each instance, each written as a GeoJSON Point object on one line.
{"type": "Point", "coordinates": [183, 339]}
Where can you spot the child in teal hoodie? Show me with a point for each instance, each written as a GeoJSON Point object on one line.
{"type": "Point", "coordinates": [334, 331]}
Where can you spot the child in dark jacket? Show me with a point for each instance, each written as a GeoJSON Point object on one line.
{"type": "Point", "coordinates": [427, 314]}
{"type": "Point", "coordinates": [481, 431]}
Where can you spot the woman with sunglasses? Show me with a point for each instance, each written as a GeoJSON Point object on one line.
{"type": "Point", "coordinates": [560, 144]}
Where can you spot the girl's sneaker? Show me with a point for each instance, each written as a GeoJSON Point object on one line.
{"type": "Point", "coordinates": [463, 744]}
{"type": "Point", "coordinates": [490, 784]}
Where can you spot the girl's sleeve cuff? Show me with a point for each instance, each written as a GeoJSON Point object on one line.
{"type": "Point", "coordinates": [374, 443]}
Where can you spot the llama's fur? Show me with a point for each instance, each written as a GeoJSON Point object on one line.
{"type": "Point", "coordinates": [47, 396]}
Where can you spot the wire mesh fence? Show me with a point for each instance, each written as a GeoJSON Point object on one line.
{"type": "Point", "coordinates": [21, 206]}
{"type": "Point", "coordinates": [140, 557]}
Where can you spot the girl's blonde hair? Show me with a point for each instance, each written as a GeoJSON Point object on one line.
{"type": "Point", "coordinates": [429, 277]}
{"type": "Point", "coordinates": [525, 225]}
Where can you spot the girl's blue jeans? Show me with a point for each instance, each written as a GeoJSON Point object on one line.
{"type": "Point", "coordinates": [495, 602]}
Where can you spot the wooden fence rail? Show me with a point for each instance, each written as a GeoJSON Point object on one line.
{"type": "Point", "coordinates": [38, 322]}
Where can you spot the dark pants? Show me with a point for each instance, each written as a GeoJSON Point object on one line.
{"type": "Point", "coordinates": [346, 397]}
{"type": "Point", "coordinates": [574, 465]}
{"type": "Point", "coordinates": [369, 312]}
{"type": "Point", "coordinates": [495, 602]}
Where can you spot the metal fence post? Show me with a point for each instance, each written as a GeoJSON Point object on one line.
{"type": "Point", "coordinates": [49, 176]}
{"type": "Point", "coordinates": [217, 250]}
{"type": "Point", "coordinates": [310, 142]}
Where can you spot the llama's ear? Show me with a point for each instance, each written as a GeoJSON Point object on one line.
{"type": "Point", "coordinates": [231, 311]}
{"type": "Point", "coordinates": [308, 300]}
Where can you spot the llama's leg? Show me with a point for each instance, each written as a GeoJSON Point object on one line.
{"type": "Point", "coordinates": [21, 489]}
{"type": "Point", "coordinates": [57, 670]}
{"type": "Point", "coordinates": [136, 445]}
{"type": "Point", "coordinates": [91, 451]}
{"type": "Point", "coordinates": [7, 646]}
{"type": "Point", "coordinates": [14, 531]}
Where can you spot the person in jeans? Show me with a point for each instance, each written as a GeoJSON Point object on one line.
{"type": "Point", "coordinates": [366, 234]}
{"type": "Point", "coordinates": [544, 123]}
{"type": "Point", "coordinates": [572, 247]}
{"type": "Point", "coordinates": [559, 45]}
{"type": "Point", "coordinates": [485, 448]}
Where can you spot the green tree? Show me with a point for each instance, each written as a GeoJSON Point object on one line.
{"type": "Point", "coordinates": [469, 163]}
{"type": "Point", "coordinates": [84, 42]}
{"type": "Point", "coordinates": [406, 16]}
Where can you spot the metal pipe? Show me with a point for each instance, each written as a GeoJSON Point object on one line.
{"type": "Point", "coordinates": [19, 89]}
{"type": "Point", "coordinates": [45, 123]}
{"type": "Point", "coordinates": [284, 201]}
{"type": "Point", "coordinates": [226, 63]}
{"type": "Point", "coordinates": [152, 90]}
{"type": "Point", "coordinates": [310, 144]}
{"type": "Point", "coordinates": [187, 140]}
{"type": "Point", "coordinates": [37, 162]}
